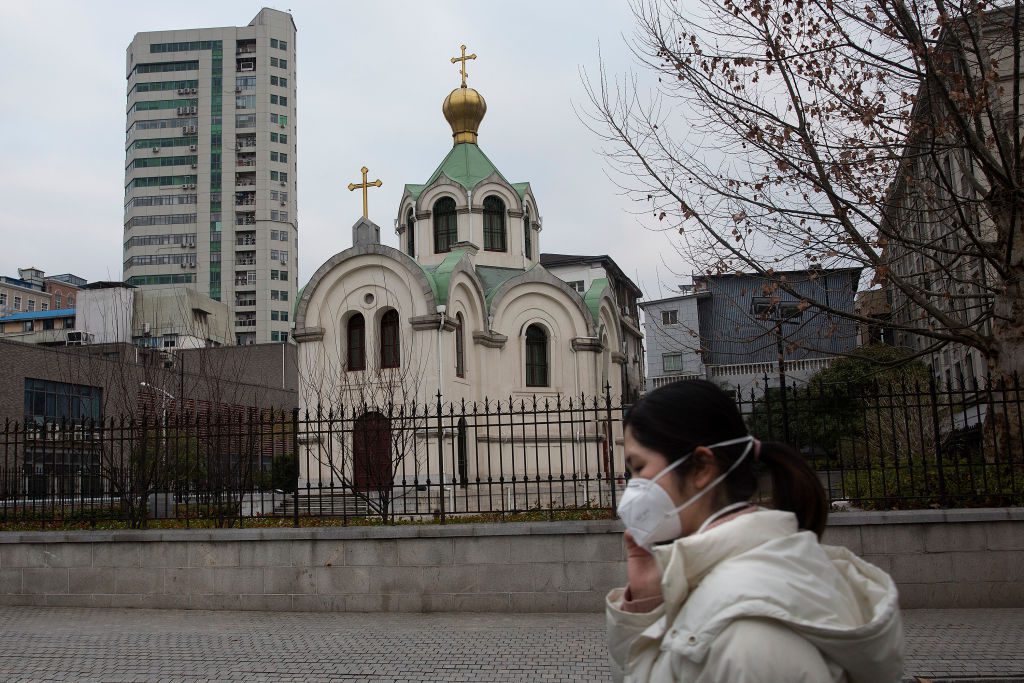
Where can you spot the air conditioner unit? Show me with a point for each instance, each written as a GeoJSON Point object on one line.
{"type": "Point", "coordinates": [283, 262]}
{"type": "Point", "coordinates": [184, 265]}
{"type": "Point", "coordinates": [155, 150]}
{"type": "Point", "coordinates": [284, 203]}
{"type": "Point", "coordinates": [193, 110]}
{"type": "Point", "coordinates": [181, 91]}
{"type": "Point", "coordinates": [184, 130]}
{"type": "Point", "coordinates": [195, 165]}
{"type": "Point", "coordinates": [184, 187]}
{"type": "Point", "coordinates": [192, 264]}
{"type": "Point", "coordinates": [194, 91]}
{"type": "Point", "coordinates": [283, 183]}
{"type": "Point", "coordinates": [192, 186]}
{"type": "Point", "coordinates": [191, 148]}
{"type": "Point", "coordinates": [180, 110]}
{"type": "Point", "coordinates": [238, 90]}
{"type": "Point", "coordinates": [144, 330]}
{"type": "Point", "coordinates": [282, 125]}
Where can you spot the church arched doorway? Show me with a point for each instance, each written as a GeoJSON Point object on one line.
{"type": "Point", "coordinates": [372, 468]}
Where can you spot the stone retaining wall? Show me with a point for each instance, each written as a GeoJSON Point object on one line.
{"type": "Point", "coordinates": [960, 558]}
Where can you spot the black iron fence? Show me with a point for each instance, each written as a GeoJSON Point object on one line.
{"type": "Point", "coordinates": [874, 446]}
{"type": "Point", "coordinates": [430, 461]}
{"type": "Point", "coordinates": [902, 445]}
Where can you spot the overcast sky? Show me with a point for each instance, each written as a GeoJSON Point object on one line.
{"type": "Point", "coordinates": [371, 77]}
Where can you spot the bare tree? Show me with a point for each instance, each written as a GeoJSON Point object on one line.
{"type": "Point", "coordinates": [826, 133]}
{"type": "Point", "coordinates": [173, 421]}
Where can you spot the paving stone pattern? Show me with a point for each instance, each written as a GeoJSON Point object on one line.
{"type": "Point", "coordinates": [118, 645]}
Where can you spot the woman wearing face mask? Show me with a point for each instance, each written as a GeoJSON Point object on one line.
{"type": "Point", "coordinates": [720, 589]}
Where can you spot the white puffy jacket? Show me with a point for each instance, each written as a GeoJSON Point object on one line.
{"type": "Point", "coordinates": [754, 599]}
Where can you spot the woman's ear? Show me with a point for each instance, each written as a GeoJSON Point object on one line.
{"type": "Point", "coordinates": [705, 467]}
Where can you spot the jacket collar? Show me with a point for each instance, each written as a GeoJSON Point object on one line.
{"type": "Point", "coordinates": [686, 561]}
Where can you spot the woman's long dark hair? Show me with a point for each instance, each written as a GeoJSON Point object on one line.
{"type": "Point", "coordinates": [677, 418]}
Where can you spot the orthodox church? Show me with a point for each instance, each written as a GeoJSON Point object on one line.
{"type": "Point", "coordinates": [463, 307]}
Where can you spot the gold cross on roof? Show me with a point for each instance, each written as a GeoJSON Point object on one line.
{"type": "Point", "coordinates": [462, 66]}
{"type": "Point", "coordinates": [364, 186]}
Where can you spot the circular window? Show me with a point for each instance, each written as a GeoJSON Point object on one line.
{"type": "Point", "coordinates": [368, 299]}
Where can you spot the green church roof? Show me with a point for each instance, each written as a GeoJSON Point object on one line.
{"type": "Point", "coordinates": [467, 165]}
{"type": "Point", "coordinates": [593, 297]}
{"type": "Point", "coordinates": [494, 277]}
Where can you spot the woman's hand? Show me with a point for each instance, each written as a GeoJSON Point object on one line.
{"type": "Point", "coordinates": [642, 571]}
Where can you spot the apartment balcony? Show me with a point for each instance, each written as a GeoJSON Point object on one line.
{"type": "Point", "coordinates": [247, 322]}
{"type": "Point", "coordinates": [247, 50]}
{"type": "Point", "coordinates": [246, 159]}
{"type": "Point", "coordinates": [245, 142]}
{"type": "Point", "coordinates": [245, 241]}
{"type": "Point", "coordinates": [806, 366]}
{"type": "Point", "coordinates": [245, 179]}
{"type": "Point", "coordinates": [245, 65]}
{"type": "Point", "coordinates": [245, 303]}
{"type": "Point", "coordinates": [245, 262]}
{"type": "Point", "coordinates": [662, 380]}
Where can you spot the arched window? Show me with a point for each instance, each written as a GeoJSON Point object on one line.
{"type": "Point", "coordinates": [446, 227]}
{"type": "Point", "coordinates": [527, 236]}
{"type": "Point", "coordinates": [460, 347]}
{"type": "Point", "coordinates": [356, 336]}
{"type": "Point", "coordinates": [494, 224]}
{"type": "Point", "coordinates": [410, 229]}
{"type": "Point", "coordinates": [536, 356]}
{"type": "Point", "coordinates": [390, 356]}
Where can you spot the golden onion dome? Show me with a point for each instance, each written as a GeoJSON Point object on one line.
{"type": "Point", "coordinates": [464, 108]}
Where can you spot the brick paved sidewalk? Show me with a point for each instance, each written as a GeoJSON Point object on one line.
{"type": "Point", "coordinates": [58, 644]}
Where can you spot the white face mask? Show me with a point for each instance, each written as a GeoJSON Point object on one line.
{"type": "Point", "coordinates": [648, 511]}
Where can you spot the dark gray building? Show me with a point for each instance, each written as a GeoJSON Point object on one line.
{"type": "Point", "coordinates": [740, 324]}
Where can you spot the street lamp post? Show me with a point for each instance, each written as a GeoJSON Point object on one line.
{"type": "Point", "coordinates": [164, 395]}
{"type": "Point", "coordinates": [163, 409]}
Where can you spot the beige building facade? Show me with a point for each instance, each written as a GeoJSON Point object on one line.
{"type": "Point", "coordinates": [210, 169]}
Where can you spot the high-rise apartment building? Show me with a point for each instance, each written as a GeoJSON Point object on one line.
{"type": "Point", "coordinates": [210, 168]}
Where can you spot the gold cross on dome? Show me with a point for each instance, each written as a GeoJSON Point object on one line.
{"type": "Point", "coordinates": [364, 186]}
{"type": "Point", "coordinates": [462, 66]}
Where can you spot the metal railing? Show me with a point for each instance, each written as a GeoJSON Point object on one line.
{"type": "Point", "coordinates": [874, 447]}
{"type": "Point", "coordinates": [914, 444]}
{"type": "Point", "coordinates": [437, 461]}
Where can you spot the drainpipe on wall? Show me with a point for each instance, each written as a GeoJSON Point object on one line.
{"type": "Point", "coordinates": [440, 327]}
{"type": "Point", "coordinates": [440, 388]}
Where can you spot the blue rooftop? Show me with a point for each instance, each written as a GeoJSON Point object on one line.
{"type": "Point", "coordinates": [38, 315]}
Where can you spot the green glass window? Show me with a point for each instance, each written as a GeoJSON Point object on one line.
{"type": "Point", "coordinates": [164, 67]}
{"type": "Point", "coordinates": [494, 224]}
{"type": "Point", "coordinates": [410, 230]}
{"type": "Point", "coordinates": [356, 341]}
{"type": "Point", "coordinates": [536, 356]}
{"type": "Point", "coordinates": [446, 231]}
{"type": "Point", "coordinates": [527, 236]}
{"type": "Point", "coordinates": [390, 355]}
